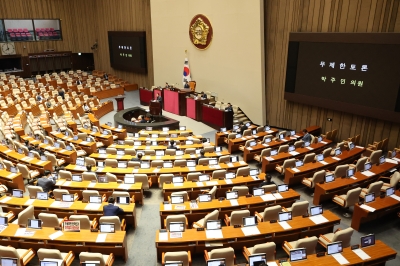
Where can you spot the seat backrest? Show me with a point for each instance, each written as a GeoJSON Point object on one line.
{"type": "Point", "coordinates": [26, 214]}
{"type": "Point", "coordinates": [32, 190]}
{"type": "Point", "coordinates": [352, 196]}
{"type": "Point", "coordinates": [65, 174]}
{"type": "Point", "coordinates": [87, 193]}
{"type": "Point", "coordinates": [288, 163]}
{"type": "Point", "coordinates": [83, 219]}
{"type": "Point", "coordinates": [143, 179]}
{"type": "Point", "coordinates": [374, 158]}
{"type": "Point", "coordinates": [111, 163]}
{"type": "Point", "coordinates": [242, 190]}
{"type": "Point", "coordinates": [299, 208]}
{"type": "Point", "coordinates": [113, 220]}
{"type": "Point", "coordinates": [327, 152]}
{"type": "Point", "coordinates": [170, 152]}
{"type": "Point", "coordinates": [181, 193]}
{"type": "Point", "coordinates": [266, 152]}
{"type": "Point", "coordinates": [175, 218]}
{"type": "Point", "coordinates": [271, 213]}
{"type": "Point", "coordinates": [211, 216]}
{"type": "Point", "coordinates": [308, 158]}
{"type": "Point", "coordinates": [267, 248]}
{"type": "Point", "coordinates": [213, 191]}
{"type": "Point", "coordinates": [178, 163]}
{"type": "Point", "coordinates": [59, 192]}
{"type": "Point", "coordinates": [344, 236]}
{"type": "Point", "coordinates": [310, 243]}
{"type": "Point", "coordinates": [9, 252]}
{"type": "Point", "coordinates": [49, 219]}
{"type": "Point", "coordinates": [247, 132]}
{"type": "Point", "coordinates": [89, 176]}
{"type": "Point", "coordinates": [46, 253]}
{"type": "Point", "coordinates": [111, 177]}
{"type": "Point", "coordinates": [219, 174]}
{"type": "Point", "coordinates": [224, 159]}
{"type": "Point", "coordinates": [318, 177]}
{"type": "Point", "coordinates": [243, 171]}
{"type": "Point", "coordinates": [298, 144]}
{"type": "Point", "coordinates": [394, 179]}
{"type": "Point", "coordinates": [203, 161]}
{"type": "Point", "coordinates": [157, 163]}
{"type": "Point", "coordinates": [177, 256]}
{"type": "Point", "coordinates": [91, 256]}
{"type": "Point", "coordinates": [193, 176]}
{"type": "Point", "coordinates": [361, 164]}
{"type": "Point", "coordinates": [283, 148]}
{"type": "Point", "coordinates": [269, 188]}
{"type": "Point", "coordinates": [120, 194]}
{"type": "Point", "coordinates": [375, 187]}
{"type": "Point", "coordinates": [165, 178]}
{"type": "Point", "coordinates": [341, 170]}
{"type": "Point", "coordinates": [225, 253]}
{"type": "Point", "coordinates": [237, 216]}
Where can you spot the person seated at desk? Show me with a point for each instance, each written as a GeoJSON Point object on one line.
{"type": "Point", "coordinates": [166, 85]}
{"type": "Point", "coordinates": [242, 128]}
{"type": "Point", "coordinates": [105, 76]}
{"type": "Point", "coordinates": [229, 108]}
{"type": "Point", "coordinates": [110, 209]}
{"type": "Point", "coordinates": [172, 145]}
{"type": "Point", "coordinates": [48, 103]}
{"type": "Point", "coordinates": [86, 108]}
{"type": "Point", "coordinates": [307, 136]}
{"type": "Point", "coordinates": [46, 182]}
{"type": "Point", "coordinates": [267, 181]}
{"type": "Point", "coordinates": [143, 120]}
{"type": "Point", "coordinates": [39, 98]}
{"type": "Point", "coordinates": [79, 81]}
{"type": "Point", "coordinates": [202, 152]}
{"type": "Point", "coordinates": [205, 143]}
{"type": "Point", "coordinates": [138, 158]}
{"type": "Point", "coordinates": [186, 86]}
{"type": "Point", "coordinates": [61, 92]}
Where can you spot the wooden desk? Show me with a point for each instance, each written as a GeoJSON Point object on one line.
{"type": "Point", "coordinates": [382, 208]}
{"type": "Point", "coordinates": [32, 163]}
{"type": "Point", "coordinates": [220, 136]}
{"type": "Point", "coordinates": [225, 207]}
{"type": "Point", "coordinates": [162, 139]}
{"type": "Point", "coordinates": [69, 241]}
{"type": "Point", "coordinates": [104, 109]}
{"type": "Point", "coordinates": [169, 132]}
{"type": "Point", "coordinates": [269, 165]}
{"type": "Point", "coordinates": [11, 180]}
{"type": "Point", "coordinates": [195, 241]}
{"type": "Point", "coordinates": [108, 93]}
{"type": "Point", "coordinates": [103, 188]}
{"type": "Point", "coordinates": [340, 186]}
{"type": "Point", "coordinates": [51, 206]}
{"type": "Point", "coordinates": [195, 188]}
{"type": "Point", "coordinates": [379, 253]}
{"type": "Point", "coordinates": [292, 177]}
{"type": "Point", "coordinates": [106, 139]}
{"type": "Point", "coordinates": [233, 144]}
{"type": "Point", "coordinates": [159, 147]}
{"type": "Point", "coordinates": [120, 132]}
{"type": "Point", "coordinates": [89, 147]}
{"type": "Point", "coordinates": [68, 156]}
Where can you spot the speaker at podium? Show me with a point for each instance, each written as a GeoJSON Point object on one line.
{"type": "Point", "coordinates": [155, 107]}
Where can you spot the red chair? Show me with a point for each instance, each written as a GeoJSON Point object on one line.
{"type": "Point", "coordinates": [26, 30]}
{"type": "Point", "coordinates": [20, 30]}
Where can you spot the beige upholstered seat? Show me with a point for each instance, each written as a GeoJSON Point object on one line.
{"type": "Point", "coordinates": [269, 213]}
{"type": "Point", "coordinates": [268, 248]}
{"type": "Point", "coordinates": [23, 255]}
{"type": "Point", "coordinates": [90, 161]}
{"type": "Point", "coordinates": [176, 218]}
{"type": "Point", "coordinates": [170, 152]}
{"type": "Point", "coordinates": [299, 208]}
{"type": "Point", "coordinates": [210, 216]}
{"type": "Point", "coordinates": [298, 144]}
{"type": "Point", "coordinates": [45, 253]}
{"type": "Point", "coordinates": [181, 193]}
{"type": "Point", "coordinates": [86, 194]}
{"type": "Point", "coordinates": [54, 161]}
{"type": "Point", "coordinates": [224, 253]}
{"type": "Point", "coordinates": [236, 217]}
{"type": "Point", "coordinates": [85, 223]}
{"type": "Point", "coordinates": [374, 158]}
{"type": "Point", "coordinates": [89, 176]}
{"type": "Point", "coordinates": [372, 188]}
{"type": "Point", "coordinates": [180, 163]}
{"type": "Point", "coordinates": [119, 225]}
{"type": "Point", "coordinates": [193, 176]}
{"type": "Point", "coordinates": [269, 188]}
{"type": "Point", "coordinates": [288, 163]}
{"type": "Point", "coordinates": [24, 215]}
{"type": "Point", "coordinates": [112, 178]}
{"type": "Point", "coordinates": [309, 158]}
{"type": "Point", "coordinates": [26, 173]}
{"type": "Point", "coordinates": [143, 178]}
{"type": "Point", "coordinates": [283, 148]}
{"type": "Point", "coordinates": [341, 171]}
{"type": "Point", "coordinates": [242, 190]}
{"type": "Point", "coordinates": [327, 152]}
{"type": "Point", "coordinates": [339, 235]}
{"type": "Point", "coordinates": [203, 161]}
{"type": "Point", "coordinates": [359, 166]}
{"type": "Point", "coordinates": [57, 193]}
{"type": "Point", "coordinates": [394, 180]}
{"type": "Point", "coordinates": [183, 256]}
{"type": "Point", "coordinates": [65, 174]}
{"type": "Point", "coordinates": [318, 177]}
{"type": "Point", "coordinates": [157, 163]}
{"type": "Point", "coordinates": [264, 153]}
{"type": "Point", "coordinates": [50, 220]}
{"type": "Point", "coordinates": [217, 174]}
{"type": "Point", "coordinates": [243, 171]}
{"type": "Point", "coordinates": [33, 190]}
{"type": "Point", "coordinates": [348, 200]}
{"type": "Point", "coordinates": [164, 178]}
{"type": "Point", "coordinates": [105, 260]}
{"type": "Point", "coordinates": [310, 243]}
{"type": "Point", "coordinates": [111, 163]}
{"type": "Point", "coordinates": [111, 151]}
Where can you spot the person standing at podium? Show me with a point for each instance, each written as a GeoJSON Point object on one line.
{"type": "Point", "coordinates": [159, 99]}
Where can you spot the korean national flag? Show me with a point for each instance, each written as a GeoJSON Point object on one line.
{"type": "Point", "coordinates": [186, 71]}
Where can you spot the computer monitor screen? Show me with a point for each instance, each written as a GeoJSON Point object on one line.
{"type": "Point", "coordinates": [267, 128]}
{"type": "Point", "coordinates": [137, 143]}
{"type": "Point", "coordinates": [144, 165]}
{"type": "Point", "coordinates": [253, 172]}
{"type": "Point", "coordinates": [3, 220]}
{"type": "Point", "coordinates": [154, 135]}
{"type": "Point", "coordinates": [94, 130]}
{"type": "Point", "coordinates": [80, 161]}
{"type": "Point", "coordinates": [123, 200]}
{"type": "Point", "coordinates": [177, 179]}
{"type": "Point", "coordinates": [69, 148]}
{"type": "Point", "coordinates": [203, 178]}
{"type": "Point", "coordinates": [177, 199]}
{"type": "Point", "coordinates": [165, 129]}
{"type": "Point", "coordinates": [274, 152]}
{"type": "Point", "coordinates": [57, 145]}
{"type": "Point", "coordinates": [320, 157]}
{"type": "Point", "coordinates": [329, 178]}
{"type": "Point", "coordinates": [121, 142]}
{"type": "Point", "coordinates": [319, 139]}
{"type": "Point", "coordinates": [393, 154]}
{"type": "Point", "coordinates": [120, 152]}
{"type": "Point", "coordinates": [253, 143]}
{"type": "Point", "coordinates": [350, 172]}
{"type": "Point", "coordinates": [367, 240]}
{"type": "Point", "coordinates": [135, 135]}
{"type": "Point", "coordinates": [129, 179]}
{"type": "Point", "coordinates": [198, 151]}
{"type": "Point", "coordinates": [179, 153]}
{"type": "Point", "coordinates": [204, 197]}
{"type": "Point", "coordinates": [122, 164]}
{"type": "Point", "coordinates": [369, 197]}
{"type": "Point", "coordinates": [213, 224]}
{"type": "Point", "coordinates": [389, 191]}
{"type": "Point", "coordinates": [182, 128]}
{"type": "Point", "coordinates": [248, 124]}
{"type": "Point", "coordinates": [102, 151]}
{"type": "Point", "coordinates": [67, 197]}
{"type": "Point", "coordinates": [285, 216]}
{"type": "Point", "coordinates": [298, 254]}
{"type": "Point", "coordinates": [223, 129]}
{"type": "Point", "coordinates": [254, 132]}
{"type": "Point", "coordinates": [77, 178]}
{"type": "Point", "coordinates": [17, 193]}
{"type": "Point", "coordinates": [267, 140]}
{"type": "Point", "coordinates": [160, 153]}
{"type": "Point", "coordinates": [174, 135]}
{"type": "Point", "coordinates": [102, 179]}
{"type": "Point", "coordinates": [31, 155]}
{"type": "Point", "coordinates": [191, 163]}
{"type": "Point", "coordinates": [235, 127]}
{"type": "Point", "coordinates": [167, 165]}
{"type": "Point", "coordinates": [257, 259]}
{"type": "Point", "coordinates": [107, 228]}
{"type": "Point", "coordinates": [189, 142]}
{"type": "Point", "coordinates": [258, 191]}
{"type": "Point", "coordinates": [119, 126]}
{"type": "Point", "coordinates": [299, 163]}
{"type": "Point", "coordinates": [316, 210]}
{"type": "Point", "coordinates": [238, 136]}
{"type": "Point", "coordinates": [42, 195]}
{"type": "Point", "coordinates": [281, 136]}
{"type": "Point", "coordinates": [292, 148]}
{"type": "Point", "coordinates": [306, 144]}
{"type": "Point", "coordinates": [216, 262]}
{"type": "Point", "coordinates": [48, 263]}
{"type": "Point", "coordinates": [13, 170]}
{"type": "Point", "coordinates": [283, 188]}
{"type": "Point", "coordinates": [249, 221]}
{"type": "Point", "coordinates": [35, 223]}
{"type": "Point", "coordinates": [47, 141]}
{"type": "Point", "coordinates": [382, 159]}
{"type": "Point", "coordinates": [232, 195]}
{"type": "Point", "coordinates": [367, 166]}
{"type": "Point", "coordinates": [230, 175]}
{"type": "Point", "coordinates": [149, 128]}
{"type": "Point", "coordinates": [212, 161]}
{"type": "Point", "coordinates": [95, 199]}
{"type": "Point", "coordinates": [351, 146]}
{"type": "Point", "coordinates": [43, 158]}
{"type": "Point", "coordinates": [292, 133]}
{"type": "Point", "coordinates": [9, 261]}
{"type": "Point", "coordinates": [234, 159]}
{"type": "Point", "coordinates": [333, 248]}
{"type": "Point", "coordinates": [75, 138]}
{"type": "Point", "coordinates": [176, 227]}
{"type": "Point", "coordinates": [338, 152]}
{"type": "Point", "coordinates": [100, 164]}
{"type": "Point", "coordinates": [88, 139]}
{"type": "Point", "coordinates": [218, 149]}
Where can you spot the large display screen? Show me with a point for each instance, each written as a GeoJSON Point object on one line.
{"type": "Point", "coordinates": [128, 51]}
{"type": "Point", "coordinates": [356, 73]}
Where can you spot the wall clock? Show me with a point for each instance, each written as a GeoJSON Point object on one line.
{"type": "Point", "coordinates": [7, 48]}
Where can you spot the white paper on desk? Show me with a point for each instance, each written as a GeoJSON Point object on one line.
{"type": "Point", "coordinates": [192, 168]}
{"type": "Point", "coordinates": [60, 182]}
{"type": "Point", "coordinates": [324, 142]}
{"type": "Point", "coordinates": [336, 158]}
{"type": "Point", "coordinates": [92, 184]}
{"type": "Point", "coordinates": [192, 156]}
{"type": "Point", "coordinates": [56, 235]}
{"type": "Point", "coordinates": [293, 153]}
{"type": "Point", "coordinates": [163, 236]}
{"type": "Point", "coordinates": [42, 162]}
{"type": "Point", "coordinates": [265, 145]}
{"type": "Point", "coordinates": [67, 183]}
{"type": "Point", "coordinates": [178, 157]}
{"type": "Point", "coordinates": [234, 202]}
{"type": "Point", "coordinates": [318, 219]}
{"type": "Point", "coordinates": [5, 199]}
{"type": "Point", "coordinates": [368, 208]}
{"type": "Point", "coordinates": [178, 184]}
{"type": "Point", "coordinates": [29, 202]}
{"type": "Point", "coordinates": [395, 197]}
{"type": "Point", "coordinates": [214, 244]}
{"type": "Point", "coordinates": [229, 164]}
{"type": "Point", "coordinates": [180, 207]}
{"type": "Point", "coordinates": [210, 234]}
{"type": "Point", "coordinates": [101, 238]}
{"type": "Point", "coordinates": [77, 167]}
{"type": "Point", "coordinates": [361, 253]}
{"type": "Point", "coordinates": [309, 148]}
{"type": "Point", "coordinates": [124, 186]}
{"type": "Point", "coordinates": [268, 197]}
{"type": "Point", "coordinates": [92, 206]}
{"type": "Point", "coordinates": [397, 159]}
{"type": "Point", "coordinates": [157, 157]}
{"type": "Point", "coordinates": [391, 161]}
{"type": "Point", "coordinates": [175, 235]}
{"type": "Point", "coordinates": [284, 140]}
{"type": "Point", "coordinates": [135, 171]}
{"type": "Point", "coordinates": [218, 153]}
{"type": "Point", "coordinates": [368, 173]}
{"type": "Point", "coordinates": [249, 148]}
{"type": "Point", "coordinates": [293, 137]}
{"type": "Point", "coordinates": [7, 151]}
{"type": "Point", "coordinates": [277, 196]}
{"type": "Point", "coordinates": [353, 177]}
{"type": "Point", "coordinates": [194, 205]}
{"type": "Point", "coordinates": [271, 263]}
{"type": "Point", "coordinates": [243, 138]}
{"type": "Point", "coordinates": [360, 147]}
{"type": "Point", "coordinates": [323, 162]}
{"type": "Point", "coordinates": [11, 175]}
{"type": "Point", "coordinates": [212, 183]}
{"type": "Point", "coordinates": [228, 181]}
{"type": "Point", "coordinates": [285, 225]}
{"type": "Point", "coordinates": [167, 207]}
{"type": "Point", "coordinates": [295, 170]}
{"type": "Point", "coordinates": [217, 166]}
{"type": "Point", "coordinates": [147, 148]}
{"type": "Point", "coordinates": [199, 184]}
{"type": "Point", "coordinates": [242, 163]}
{"type": "Point", "coordinates": [270, 131]}
{"type": "Point", "coordinates": [84, 142]}
{"type": "Point", "coordinates": [339, 258]}
{"type": "Point", "coordinates": [255, 177]}
{"type": "Point", "coordinates": [269, 158]}
{"type": "Point", "coordinates": [156, 170]}
{"type": "Point", "coordinates": [250, 230]}
{"type": "Point", "coordinates": [119, 156]}
{"type": "Point", "coordinates": [2, 228]}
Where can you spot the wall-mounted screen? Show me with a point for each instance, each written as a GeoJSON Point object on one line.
{"type": "Point", "coordinates": [352, 72]}
{"type": "Point", "coordinates": [47, 29]}
{"type": "Point", "coordinates": [128, 50]}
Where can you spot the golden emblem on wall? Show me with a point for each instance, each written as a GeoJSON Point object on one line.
{"type": "Point", "coordinates": [200, 32]}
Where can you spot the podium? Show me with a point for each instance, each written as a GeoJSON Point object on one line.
{"type": "Point", "coordinates": [120, 103]}
{"type": "Point", "coordinates": [155, 107]}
